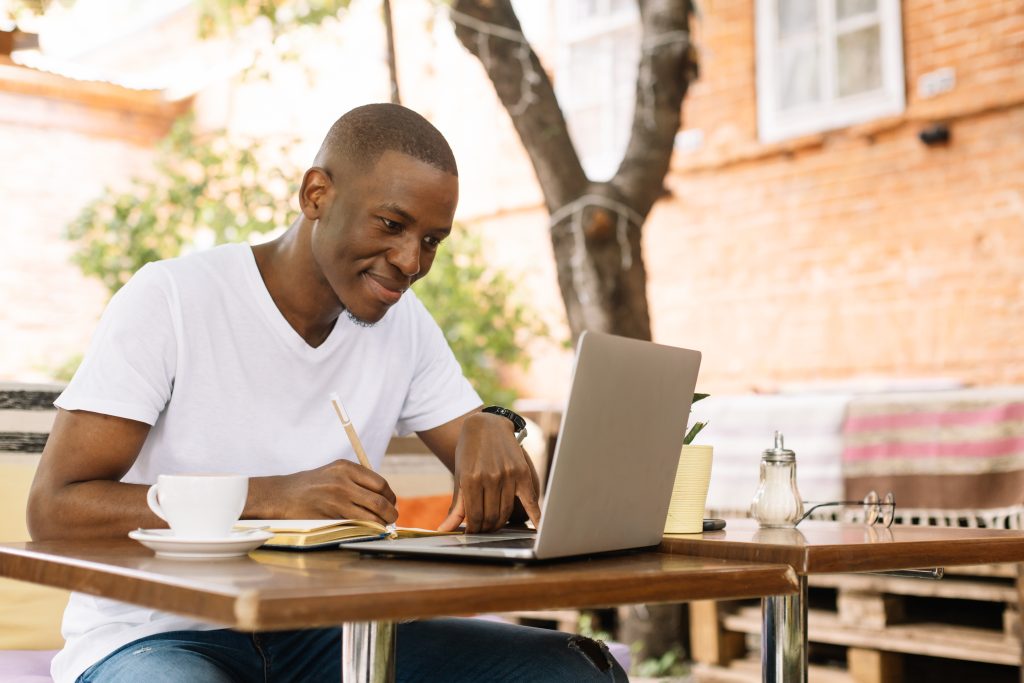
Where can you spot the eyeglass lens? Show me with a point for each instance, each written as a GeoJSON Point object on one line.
{"type": "Point", "coordinates": [871, 510]}
{"type": "Point", "coordinates": [876, 512]}
{"type": "Point", "coordinates": [888, 509]}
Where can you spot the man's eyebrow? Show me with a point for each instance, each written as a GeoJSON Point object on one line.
{"type": "Point", "coordinates": [396, 209]}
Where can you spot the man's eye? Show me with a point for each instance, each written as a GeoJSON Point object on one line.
{"type": "Point", "coordinates": [432, 242]}
{"type": "Point", "coordinates": [391, 225]}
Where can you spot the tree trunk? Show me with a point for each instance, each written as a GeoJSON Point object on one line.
{"type": "Point", "coordinates": [596, 227]}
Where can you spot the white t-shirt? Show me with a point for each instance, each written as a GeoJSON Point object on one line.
{"type": "Point", "coordinates": [196, 347]}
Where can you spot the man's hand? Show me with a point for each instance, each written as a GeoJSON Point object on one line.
{"type": "Point", "coordinates": [491, 471]}
{"type": "Point", "coordinates": [341, 489]}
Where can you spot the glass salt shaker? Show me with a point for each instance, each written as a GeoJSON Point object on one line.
{"type": "Point", "coordinates": [777, 502]}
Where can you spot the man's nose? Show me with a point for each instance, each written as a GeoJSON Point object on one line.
{"type": "Point", "coordinates": [406, 256]}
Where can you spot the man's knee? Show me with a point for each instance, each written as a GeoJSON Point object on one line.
{"type": "Point", "coordinates": [158, 662]}
{"type": "Point", "coordinates": [597, 655]}
{"type": "Point", "coordinates": [577, 658]}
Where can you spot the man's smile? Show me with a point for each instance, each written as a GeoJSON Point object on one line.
{"type": "Point", "coordinates": [389, 291]}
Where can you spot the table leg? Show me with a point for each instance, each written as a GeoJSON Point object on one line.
{"type": "Point", "coordinates": [784, 637]}
{"type": "Point", "coordinates": [368, 652]}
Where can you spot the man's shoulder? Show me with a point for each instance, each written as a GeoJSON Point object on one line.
{"type": "Point", "coordinates": [217, 257]}
{"type": "Point", "coordinates": [204, 268]}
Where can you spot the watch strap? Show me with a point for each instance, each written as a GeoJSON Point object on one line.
{"type": "Point", "coordinates": [518, 422]}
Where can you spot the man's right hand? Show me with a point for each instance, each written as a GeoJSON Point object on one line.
{"type": "Point", "coordinates": [341, 489]}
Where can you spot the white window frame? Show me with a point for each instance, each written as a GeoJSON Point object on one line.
{"type": "Point", "coordinates": [832, 111]}
{"type": "Point", "coordinates": [601, 162]}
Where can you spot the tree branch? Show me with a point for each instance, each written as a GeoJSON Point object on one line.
{"type": "Point", "coordinates": [667, 66]}
{"type": "Point", "coordinates": [525, 90]}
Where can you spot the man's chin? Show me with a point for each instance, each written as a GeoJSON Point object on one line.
{"type": "Point", "coordinates": [362, 322]}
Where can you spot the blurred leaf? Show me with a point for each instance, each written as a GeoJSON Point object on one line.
{"type": "Point", "coordinates": [476, 306]}
{"type": "Point", "coordinates": [671, 663]}
{"type": "Point", "coordinates": [205, 190]}
{"type": "Point", "coordinates": [225, 16]}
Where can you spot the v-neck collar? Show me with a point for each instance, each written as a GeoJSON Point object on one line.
{"type": "Point", "coordinates": [292, 339]}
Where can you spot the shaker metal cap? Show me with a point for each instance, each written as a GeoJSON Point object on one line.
{"type": "Point", "coordinates": [779, 453]}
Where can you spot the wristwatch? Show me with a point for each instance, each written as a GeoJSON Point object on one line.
{"type": "Point", "coordinates": [519, 423]}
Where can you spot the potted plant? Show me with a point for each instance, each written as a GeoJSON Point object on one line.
{"type": "Point", "coordinates": [690, 489]}
{"type": "Point", "coordinates": [697, 426]}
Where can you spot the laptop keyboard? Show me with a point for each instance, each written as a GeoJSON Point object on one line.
{"type": "Point", "coordinates": [503, 543]}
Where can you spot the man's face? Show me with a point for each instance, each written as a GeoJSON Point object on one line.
{"type": "Point", "coordinates": [380, 229]}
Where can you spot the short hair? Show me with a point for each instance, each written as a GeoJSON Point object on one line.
{"type": "Point", "coordinates": [363, 134]}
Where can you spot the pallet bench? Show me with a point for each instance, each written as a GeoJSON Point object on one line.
{"type": "Point", "coordinates": [873, 627]}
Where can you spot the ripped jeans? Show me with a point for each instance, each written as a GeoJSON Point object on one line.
{"type": "Point", "coordinates": [430, 650]}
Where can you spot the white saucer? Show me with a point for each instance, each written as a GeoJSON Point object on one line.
{"type": "Point", "coordinates": [168, 545]}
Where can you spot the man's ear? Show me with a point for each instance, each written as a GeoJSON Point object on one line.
{"type": "Point", "coordinates": [315, 192]}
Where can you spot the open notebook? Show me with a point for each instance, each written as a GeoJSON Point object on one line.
{"type": "Point", "coordinates": [311, 534]}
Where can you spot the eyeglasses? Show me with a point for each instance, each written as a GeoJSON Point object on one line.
{"type": "Point", "coordinates": [870, 511]}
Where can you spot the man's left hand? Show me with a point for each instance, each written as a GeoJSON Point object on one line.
{"type": "Point", "coordinates": [491, 471]}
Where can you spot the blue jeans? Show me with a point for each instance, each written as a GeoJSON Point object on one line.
{"type": "Point", "coordinates": [430, 650]}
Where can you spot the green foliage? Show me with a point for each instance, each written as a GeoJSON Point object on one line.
{"type": "Point", "coordinates": [218, 16]}
{"type": "Point", "coordinates": [587, 626]}
{"type": "Point", "coordinates": [697, 426]}
{"type": "Point", "coordinates": [65, 371]}
{"type": "Point", "coordinates": [672, 663]}
{"type": "Point", "coordinates": [207, 189]}
{"type": "Point", "coordinates": [22, 12]}
{"type": "Point", "coordinates": [486, 325]}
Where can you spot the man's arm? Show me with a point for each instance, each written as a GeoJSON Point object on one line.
{"type": "Point", "coordinates": [491, 471]}
{"type": "Point", "coordinates": [76, 492]}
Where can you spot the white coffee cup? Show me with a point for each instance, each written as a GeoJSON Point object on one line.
{"type": "Point", "coordinates": [199, 505]}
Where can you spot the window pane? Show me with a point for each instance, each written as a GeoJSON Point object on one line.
{"type": "Point", "coordinates": [584, 9]}
{"type": "Point", "coordinates": [859, 61]}
{"type": "Point", "coordinates": [588, 75]}
{"type": "Point", "coordinates": [586, 129]}
{"type": "Point", "coordinates": [625, 46]}
{"type": "Point", "coordinates": [797, 16]}
{"type": "Point", "coordinates": [851, 8]}
{"type": "Point", "coordinates": [622, 5]}
{"type": "Point", "coordinates": [798, 76]}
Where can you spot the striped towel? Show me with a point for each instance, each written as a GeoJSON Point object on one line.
{"type": "Point", "coordinates": [952, 450]}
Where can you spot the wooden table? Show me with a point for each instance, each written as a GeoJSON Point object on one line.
{"type": "Point", "coordinates": [831, 547]}
{"type": "Point", "coordinates": [271, 590]}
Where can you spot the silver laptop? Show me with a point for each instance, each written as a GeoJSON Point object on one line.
{"type": "Point", "coordinates": [614, 464]}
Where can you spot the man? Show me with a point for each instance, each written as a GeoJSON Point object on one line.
{"type": "Point", "coordinates": [223, 361]}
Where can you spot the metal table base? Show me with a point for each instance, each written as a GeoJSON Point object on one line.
{"type": "Point", "coordinates": [784, 637]}
{"type": "Point", "coordinates": [368, 652]}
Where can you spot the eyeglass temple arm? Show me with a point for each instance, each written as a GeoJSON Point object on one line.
{"type": "Point", "coordinates": [823, 505]}
{"type": "Point", "coordinates": [934, 573]}
{"type": "Point", "coordinates": [839, 502]}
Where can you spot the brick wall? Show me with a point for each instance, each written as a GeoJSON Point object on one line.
{"type": "Point", "coordinates": [859, 252]}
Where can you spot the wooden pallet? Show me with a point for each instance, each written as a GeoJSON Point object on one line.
{"type": "Point", "coordinates": [748, 670]}
{"type": "Point", "coordinates": [875, 622]}
{"type": "Point", "coordinates": [566, 620]}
